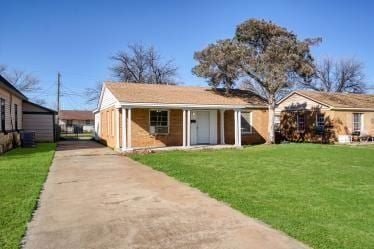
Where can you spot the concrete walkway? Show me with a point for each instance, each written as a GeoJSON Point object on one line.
{"type": "Point", "coordinates": [94, 198]}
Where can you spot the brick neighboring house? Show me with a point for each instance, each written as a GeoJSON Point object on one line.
{"type": "Point", "coordinates": [71, 119]}
{"type": "Point", "coordinates": [131, 116]}
{"type": "Point", "coordinates": [313, 116]}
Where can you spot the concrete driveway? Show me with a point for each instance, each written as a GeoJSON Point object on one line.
{"type": "Point", "coordinates": [94, 198]}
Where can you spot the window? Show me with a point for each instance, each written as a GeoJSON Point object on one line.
{"type": "Point", "coordinates": [2, 114]}
{"type": "Point", "coordinates": [357, 122]}
{"type": "Point", "coordinates": [159, 121]}
{"type": "Point", "coordinates": [69, 122]}
{"type": "Point", "coordinates": [277, 123]}
{"type": "Point", "coordinates": [300, 122]}
{"type": "Point", "coordinates": [88, 122]}
{"type": "Point", "coordinates": [320, 120]}
{"type": "Point", "coordinates": [246, 122]}
{"type": "Point", "coordinates": [16, 117]}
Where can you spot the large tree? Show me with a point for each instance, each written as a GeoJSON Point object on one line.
{"type": "Point", "coordinates": [141, 64]}
{"type": "Point", "coordinates": [344, 75]}
{"type": "Point", "coordinates": [275, 58]}
{"type": "Point", "coordinates": [220, 63]}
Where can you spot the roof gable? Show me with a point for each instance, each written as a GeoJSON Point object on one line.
{"type": "Point", "coordinates": [335, 100]}
{"type": "Point", "coordinates": [7, 85]}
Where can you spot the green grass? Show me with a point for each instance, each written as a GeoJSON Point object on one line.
{"type": "Point", "coordinates": [322, 195]}
{"type": "Point", "coordinates": [22, 174]}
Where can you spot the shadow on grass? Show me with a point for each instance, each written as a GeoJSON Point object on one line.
{"type": "Point", "coordinates": [29, 152]}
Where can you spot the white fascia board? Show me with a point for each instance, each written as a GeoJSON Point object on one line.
{"type": "Point", "coordinates": [352, 109]}
{"type": "Point", "coordinates": [187, 106]}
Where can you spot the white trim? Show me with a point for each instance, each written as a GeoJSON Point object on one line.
{"type": "Point", "coordinates": [239, 128]}
{"type": "Point", "coordinates": [184, 127]}
{"type": "Point", "coordinates": [250, 123]}
{"type": "Point", "coordinates": [149, 120]}
{"type": "Point", "coordinates": [222, 126]}
{"type": "Point", "coordinates": [236, 126]}
{"type": "Point", "coordinates": [117, 128]}
{"type": "Point", "coordinates": [188, 128]}
{"type": "Point", "coordinates": [124, 128]}
{"type": "Point", "coordinates": [161, 105]}
{"type": "Point", "coordinates": [129, 120]}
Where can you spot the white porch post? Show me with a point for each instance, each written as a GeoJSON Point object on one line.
{"type": "Point", "coordinates": [117, 129]}
{"type": "Point", "coordinates": [129, 129]}
{"type": "Point", "coordinates": [222, 125]}
{"type": "Point", "coordinates": [184, 128]}
{"type": "Point", "coordinates": [239, 128]}
{"type": "Point", "coordinates": [124, 129]}
{"type": "Point", "coordinates": [236, 127]}
{"type": "Point", "coordinates": [188, 128]}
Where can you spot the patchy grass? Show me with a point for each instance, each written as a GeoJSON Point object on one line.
{"type": "Point", "coordinates": [322, 195]}
{"type": "Point", "coordinates": [22, 174]}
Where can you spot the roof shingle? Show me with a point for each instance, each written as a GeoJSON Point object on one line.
{"type": "Point", "coordinates": [76, 115]}
{"type": "Point", "coordinates": [172, 94]}
{"type": "Point", "coordinates": [341, 100]}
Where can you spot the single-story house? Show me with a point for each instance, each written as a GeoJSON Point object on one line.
{"type": "Point", "coordinates": [313, 116]}
{"type": "Point", "coordinates": [39, 119]}
{"type": "Point", "coordinates": [12, 116]}
{"type": "Point", "coordinates": [132, 115]}
{"type": "Point", "coordinates": [72, 119]}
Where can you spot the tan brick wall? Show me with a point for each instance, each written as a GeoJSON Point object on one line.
{"type": "Point", "coordinates": [140, 130]}
{"type": "Point", "coordinates": [259, 127]}
{"type": "Point", "coordinates": [341, 122]}
{"type": "Point", "coordinates": [108, 127]}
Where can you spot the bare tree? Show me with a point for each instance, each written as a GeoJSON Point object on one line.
{"type": "Point", "coordinates": [140, 64]}
{"type": "Point", "coordinates": [344, 75]}
{"type": "Point", "coordinates": [93, 94]}
{"type": "Point", "coordinates": [25, 82]}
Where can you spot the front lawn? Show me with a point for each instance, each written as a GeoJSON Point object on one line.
{"type": "Point", "coordinates": [22, 174]}
{"type": "Point", "coordinates": [322, 195]}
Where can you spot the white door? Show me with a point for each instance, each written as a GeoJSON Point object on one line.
{"type": "Point", "coordinates": [203, 127]}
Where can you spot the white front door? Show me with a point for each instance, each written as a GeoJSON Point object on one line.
{"type": "Point", "coordinates": [203, 127]}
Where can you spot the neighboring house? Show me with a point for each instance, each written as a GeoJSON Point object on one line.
{"type": "Point", "coordinates": [13, 119]}
{"type": "Point", "coordinates": [10, 115]}
{"type": "Point", "coordinates": [40, 120]}
{"type": "Point", "coordinates": [312, 115]}
{"type": "Point", "coordinates": [70, 120]}
{"type": "Point", "coordinates": [131, 115]}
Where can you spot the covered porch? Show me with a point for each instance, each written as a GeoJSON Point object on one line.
{"type": "Point", "coordinates": [196, 127]}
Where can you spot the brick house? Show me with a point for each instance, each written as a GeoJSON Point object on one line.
{"type": "Point", "coordinates": [131, 116]}
{"type": "Point", "coordinates": [314, 116]}
{"type": "Point", "coordinates": [69, 119]}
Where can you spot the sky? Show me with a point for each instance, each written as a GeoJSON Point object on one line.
{"type": "Point", "coordinates": [77, 38]}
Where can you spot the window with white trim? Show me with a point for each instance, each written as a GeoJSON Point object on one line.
{"type": "Point", "coordinates": [159, 121]}
{"type": "Point", "coordinates": [300, 122]}
{"type": "Point", "coordinates": [320, 120]}
{"type": "Point", "coordinates": [246, 122]}
{"type": "Point", "coordinates": [357, 122]}
{"type": "Point", "coordinates": [277, 123]}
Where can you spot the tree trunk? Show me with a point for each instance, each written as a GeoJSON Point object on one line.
{"type": "Point", "coordinates": [271, 134]}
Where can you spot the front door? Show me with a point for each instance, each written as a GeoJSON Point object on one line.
{"type": "Point", "coordinates": [203, 127]}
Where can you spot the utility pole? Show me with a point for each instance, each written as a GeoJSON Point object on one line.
{"type": "Point", "coordinates": [58, 97]}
